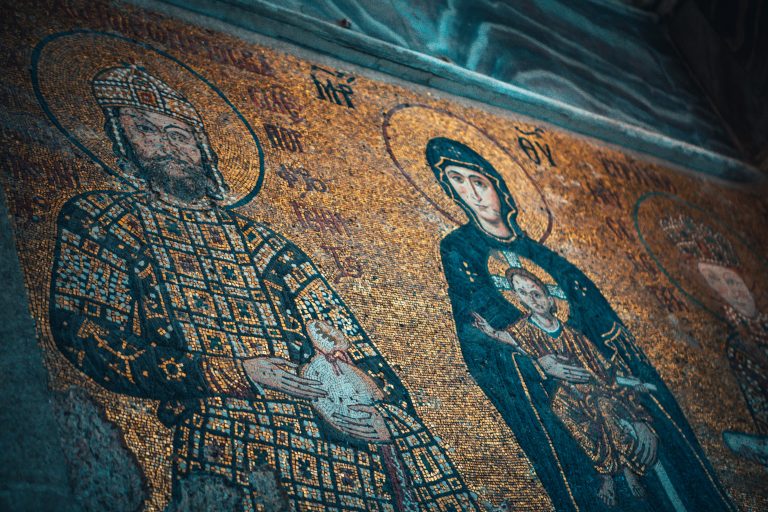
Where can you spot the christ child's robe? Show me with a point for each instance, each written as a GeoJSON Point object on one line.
{"type": "Point", "coordinates": [598, 413]}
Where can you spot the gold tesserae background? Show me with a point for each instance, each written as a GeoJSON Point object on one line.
{"type": "Point", "coordinates": [351, 187]}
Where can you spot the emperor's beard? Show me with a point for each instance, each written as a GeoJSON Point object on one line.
{"type": "Point", "coordinates": [178, 178]}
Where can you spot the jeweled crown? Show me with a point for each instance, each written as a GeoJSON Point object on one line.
{"type": "Point", "coordinates": [699, 241]}
{"type": "Point", "coordinates": [132, 86]}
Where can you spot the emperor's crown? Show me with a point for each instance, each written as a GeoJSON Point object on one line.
{"type": "Point", "coordinates": [699, 241]}
{"type": "Point", "coordinates": [133, 86]}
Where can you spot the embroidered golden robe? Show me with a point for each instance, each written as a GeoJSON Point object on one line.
{"type": "Point", "coordinates": [165, 303]}
{"type": "Point", "coordinates": [598, 413]}
{"type": "Point", "coordinates": [747, 351]}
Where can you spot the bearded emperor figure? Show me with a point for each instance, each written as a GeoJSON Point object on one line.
{"type": "Point", "coordinates": [162, 293]}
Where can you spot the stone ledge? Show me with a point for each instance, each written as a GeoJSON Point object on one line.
{"type": "Point", "coordinates": [293, 27]}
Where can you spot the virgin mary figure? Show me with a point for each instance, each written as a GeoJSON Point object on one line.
{"type": "Point", "coordinates": [520, 386]}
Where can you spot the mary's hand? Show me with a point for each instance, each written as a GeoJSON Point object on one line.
{"type": "Point", "coordinates": [371, 428]}
{"type": "Point", "coordinates": [556, 367]}
{"type": "Point", "coordinates": [272, 373]}
{"type": "Point", "coordinates": [647, 443]}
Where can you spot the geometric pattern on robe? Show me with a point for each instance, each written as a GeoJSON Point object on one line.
{"type": "Point", "coordinates": [160, 302]}
{"type": "Point", "coordinates": [747, 351]}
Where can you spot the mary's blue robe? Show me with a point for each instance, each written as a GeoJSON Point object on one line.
{"type": "Point", "coordinates": [522, 396]}
{"type": "Point", "coordinates": [518, 389]}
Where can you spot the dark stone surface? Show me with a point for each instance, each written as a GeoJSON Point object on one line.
{"type": "Point", "coordinates": [599, 56]}
{"type": "Point", "coordinates": [32, 470]}
{"type": "Point", "coordinates": [102, 472]}
{"type": "Point", "coordinates": [725, 43]}
{"type": "Point", "coordinates": [206, 493]}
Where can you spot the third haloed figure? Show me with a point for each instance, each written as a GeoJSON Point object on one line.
{"type": "Point", "coordinates": [661, 452]}
{"type": "Point", "coordinates": [747, 347]}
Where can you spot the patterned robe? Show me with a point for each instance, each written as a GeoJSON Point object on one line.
{"type": "Point", "coordinates": [747, 351]}
{"type": "Point", "coordinates": [597, 413]}
{"type": "Point", "coordinates": [164, 303]}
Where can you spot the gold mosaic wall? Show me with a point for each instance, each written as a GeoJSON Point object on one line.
{"type": "Point", "coordinates": [334, 162]}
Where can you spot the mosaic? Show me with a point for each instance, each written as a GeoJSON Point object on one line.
{"type": "Point", "coordinates": [280, 284]}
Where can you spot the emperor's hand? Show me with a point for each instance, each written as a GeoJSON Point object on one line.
{"type": "Point", "coordinates": [277, 373]}
{"type": "Point", "coordinates": [371, 428]}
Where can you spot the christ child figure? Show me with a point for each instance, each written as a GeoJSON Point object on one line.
{"type": "Point", "coordinates": [601, 412]}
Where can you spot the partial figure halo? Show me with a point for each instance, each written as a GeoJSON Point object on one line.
{"type": "Point", "coordinates": [678, 235]}
{"type": "Point", "coordinates": [64, 66]}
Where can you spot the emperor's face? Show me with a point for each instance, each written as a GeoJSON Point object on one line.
{"type": "Point", "coordinates": [153, 135]}
{"type": "Point", "coordinates": [730, 286]}
{"type": "Point", "coordinates": [166, 151]}
{"type": "Point", "coordinates": [532, 296]}
{"type": "Point", "coordinates": [477, 192]}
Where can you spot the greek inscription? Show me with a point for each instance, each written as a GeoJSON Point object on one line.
{"type": "Point", "coordinates": [31, 211]}
{"type": "Point", "coordinates": [284, 138]}
{"type": "Point", "coordinates": [619, 229]}
{"type": "Point", "coordinates": [320, 219]}
{"type": "Point", "coordinates": [346, 266]}
{"type": "Point", "coordinates": [668, 298]}
{"type": "Point", "coordinates": [634, 174]}
{"type": "Point", "coordinates": [277, 99]}
{"type": "Point", "coordinates": [534, 147]}
{"type": "Point", "coordinates": [603, 194]}
{"type": "Point", "coordinates": [642, 263]}
{"type": "Point", "coordinates": [58, 176]}
{"type": "Point", "coordinates": [333, 86]}
{"type": "Point", "coordinates": [293, 175]}
{"type": "Point", "coordinates": [145, 25]}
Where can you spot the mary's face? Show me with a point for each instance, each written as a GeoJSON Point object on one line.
{"type": "Point", "coordinates": [476, 191]}
{"type": "Point", "coordinates": [730, 286]}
